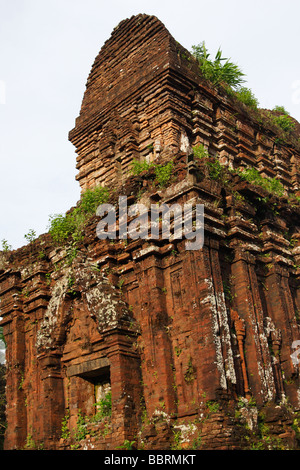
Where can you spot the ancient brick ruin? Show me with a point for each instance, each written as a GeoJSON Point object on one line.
{"type": "Point", "coordinates": [195, 346]}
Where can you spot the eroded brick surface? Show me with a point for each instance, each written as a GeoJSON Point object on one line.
{"type": "Point", "coordinates": [195, 346]}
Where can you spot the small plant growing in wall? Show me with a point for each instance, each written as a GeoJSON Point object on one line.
{"type": "Point", "coordinates": [5, 246]}
{"type": "Point", "coordinates": [127, 445]}
{"type": "Point", "coordinates": [272, 185]}
{"type": "Point", "coordinates": [30, 444]}
{"type": "Point", "coordinates": [163, 173]}
{"type": "Point", "coordinates": [200, 151]}
{"type": "Point", "coordinates": [104, 407]}
{"type": "Point", "coordinates": [138, 167]}
{"type": "Point", "coordinates": [42, 254]}
{"type": "Point", "coordinates": [189, 376]}
{"type": "Point", "coordinates": [20, 387]}
{"type": "Point", "coordinates": [213, 406]}
{"type": "Point", "coordinates": [70, 226]}
{"type": "Point", "coordinates": [71, 283]}
{"type": "Point", "coordinates": [281, 109]}
{"type": "Point", "coordinates": [246, 96]}
{"type": "Point", "coordinates": [296, 426]}
{"type": "Point", "coordinates": [176, 440]}
{"type": "Point", "coordinates": [215, 170]}
{"type": "Point", "coordinates": [81, 427]}
{"type": "Point", "coordinates": [282, 120]}
{"type": "Point", "coordinates": [65, 433]}
{"type": "Point", "coordinates": [48, 278]}
{"type": "Point", "coordinates": [30, 236]}
{"type": "Point", "coordinates": [228, 292]}
{"type": "Point", "coordinates": [285, 122]}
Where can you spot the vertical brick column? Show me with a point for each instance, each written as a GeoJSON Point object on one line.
{"type": "Point", "coordinates": [209, 323]}
{"type": "Point", "coordinates": [15, 437]}
{"type": "Point", "coordinates": [223, 314]}
{"type": "Point", "coordinates": [126, 388]}
{"type": "Point", "coordinates": [52, 398]}
{"type": "Point", "coordinates": [157, 352]}
{"type": "Point", "coordinates": [248, 306]}
{"type": "Point", "coordinates": [281, 308]}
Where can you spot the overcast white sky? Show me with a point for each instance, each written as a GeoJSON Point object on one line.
{"type": "Point", "coordinates": [47, 48]}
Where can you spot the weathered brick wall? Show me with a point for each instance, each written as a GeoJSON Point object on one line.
{"type": "Point", "coordinates": [145, 99]}
{"type": "Point", "coordinates": [2, 405]}
{"type": "Point", "coordinates": [195, 345]}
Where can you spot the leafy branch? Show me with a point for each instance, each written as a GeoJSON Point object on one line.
{"type": "Point", "coordinates": [220, 70]}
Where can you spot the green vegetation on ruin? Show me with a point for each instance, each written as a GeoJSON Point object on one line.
{"type": "Point", "coordinates": [64, 227]}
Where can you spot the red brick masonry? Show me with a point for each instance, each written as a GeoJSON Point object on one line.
{"type": "Point", "coordinates": [195, 345]}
